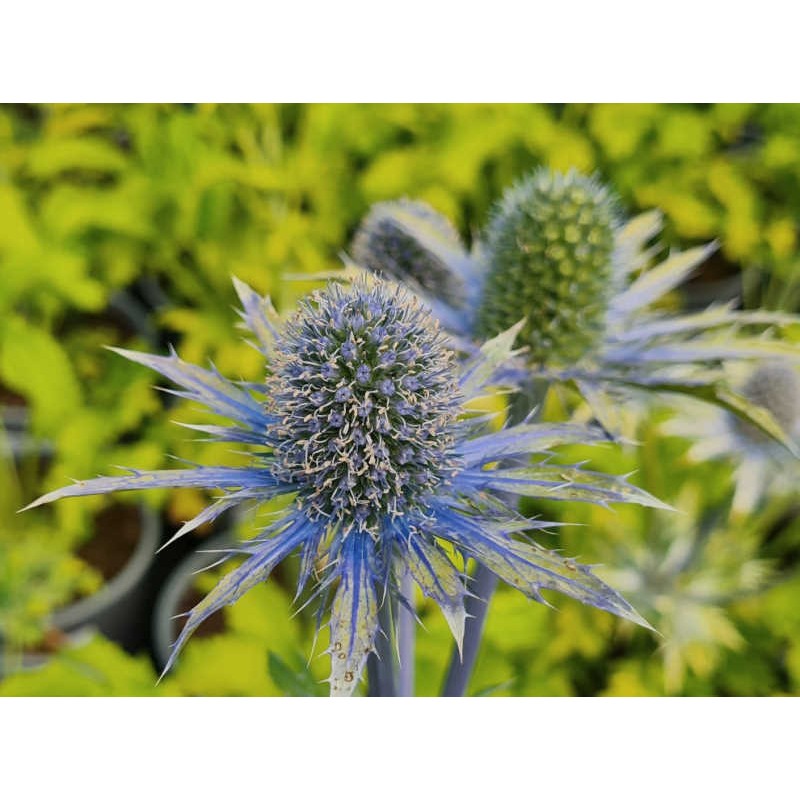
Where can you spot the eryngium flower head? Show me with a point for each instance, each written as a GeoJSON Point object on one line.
{"type": "Point", "coordinates": [549, 259]}
{"type": "Point", "coordinates": [775, 387]}
{"type": "Point", "coordinates": [408, 241]}
{"type": "Point", "coordinates": [590, 297]}
{"type": "Point", "coordinates": [362, 420]}
{"type": "Point", "coordinates": [763, 466]}
{"type": "Point", "coordinates": [364, 394]}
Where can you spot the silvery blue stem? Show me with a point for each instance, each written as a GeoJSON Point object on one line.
{"type": "Point", "coordinates": [483, 586]}
{"type": "Point", "coordinates": [380, 664]}
{"type": "Point", "coordinates": [406, 637]}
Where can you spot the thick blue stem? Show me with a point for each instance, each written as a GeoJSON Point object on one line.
{"type": "Point", "coordinates": [380, 664]}
{"type": "Point", "coordinates": [406, 637]}
{"type": "Point", "coordinates": [483, 586]}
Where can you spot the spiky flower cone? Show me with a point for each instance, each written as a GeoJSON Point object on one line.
{"type": "Point", "coordinates": [549, 248]}
{"type": "Point", "coordinates": [776, 387]}
{"type": "Point", "coordinates": [411, 242]}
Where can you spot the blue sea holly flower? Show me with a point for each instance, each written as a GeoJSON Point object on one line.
{"type": "Point", "coordinates": [762, 466]}
{"type": "Point", "coordinates": [558, 253]}
{"type": "Point", "coordinates": [410, 242]}
{"type": "Point", "coordinates": [362, 418]}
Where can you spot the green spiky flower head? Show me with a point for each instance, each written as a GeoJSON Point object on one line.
{"type": "Point", "coordinates": [550, 254]}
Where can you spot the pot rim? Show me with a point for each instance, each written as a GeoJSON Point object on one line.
{"type": "Point", "coordinates": [173, 588]}
{"type": "Point", "coordinates": [81, 611]}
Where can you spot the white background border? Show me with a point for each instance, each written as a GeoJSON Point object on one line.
{"type": "Point", "coordinates": [420, 51]}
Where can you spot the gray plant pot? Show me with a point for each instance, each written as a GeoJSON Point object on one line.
{"type": "Point", "coordinates": [114, 608]}
{"type": "Point", "coordinates": [16, 426]}
{"type": "Point", "coordinates": [181, 579]}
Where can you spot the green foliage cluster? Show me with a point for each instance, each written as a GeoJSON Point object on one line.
{"type": "Point", "coordinates": [121, 225]}
{"type": "Point", "coordinates": [38, 570]}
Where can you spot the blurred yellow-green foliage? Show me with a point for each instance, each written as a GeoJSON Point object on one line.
{"type": "Point", "coordinates": [121, 225]}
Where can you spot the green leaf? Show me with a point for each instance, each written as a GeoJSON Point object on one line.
{"type": "Point", "coordinates": [123, 209]}
{"type": "Point", "coordinates": [98, 668]}
{"type": "Point", "coordinates": [227, 665]}
{"type": "Point", "coordinates": [33, 362]}
{"type": "Point", "coordinates": [293, 682]}
{"type": "Point", "coordinates": [50, 157]}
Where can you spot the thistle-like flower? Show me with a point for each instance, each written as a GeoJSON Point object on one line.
{"type": "Point", "coordinates": [557, 252]}
{"type": "Point", "coordinates": [409, 242]}
{"type": "Point", "coordinates": [549, 249]}
{"type": "Point", "coordinates": [763, 466]}
{"type": "Point", "coordinates": [362, 420]}
{"type": "Point", "coordinates": [685, 574]}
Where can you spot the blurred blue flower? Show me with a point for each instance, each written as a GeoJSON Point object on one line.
{"type": "Point", "coordinates": [363, 419]}
{"type": "Point", "coordinates": [557, 252]}
{"type": "Point", "coordinates": [685, 571]}
{"type": "Point", "coordinates": [762, 466]}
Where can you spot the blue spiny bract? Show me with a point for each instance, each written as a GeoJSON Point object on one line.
{"type": "Point", "coordinates": [362, 420]}
{"type": "Point", "coordinates": [549, 248]}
